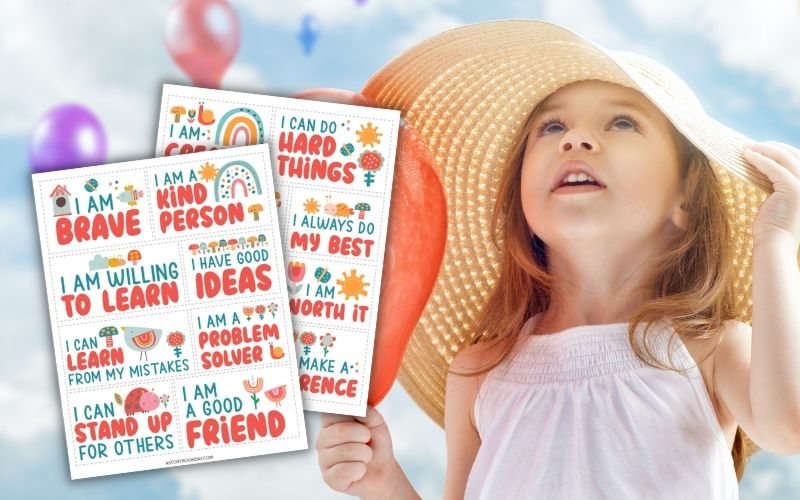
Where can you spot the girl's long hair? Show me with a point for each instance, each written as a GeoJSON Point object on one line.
{"type": "Point", "coordinates": [692, 283]}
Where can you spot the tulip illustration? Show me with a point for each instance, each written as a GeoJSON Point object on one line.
{"type": "Point", "coordinates": [248, 311]}
{"type": "Point", "coordinates": [295, 273]}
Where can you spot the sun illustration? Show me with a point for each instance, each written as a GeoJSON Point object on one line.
{"type": "Point", "coordinates": [208, 172]}
{"type": "Point", "coordinates": [311, 206]}
{"type": "Point", "coordinates": [369, 135]}
{"type": "Point", "coordinates": [352, 286]}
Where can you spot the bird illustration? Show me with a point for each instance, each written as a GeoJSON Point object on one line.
{"type": "Point", "coordinates": [141, 339]}
{"type": "Point", "coordinates": [130, 195]}
{"type": "Point", "coordinates": [276, 394]}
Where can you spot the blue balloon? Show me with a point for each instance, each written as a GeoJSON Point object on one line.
{"type": "Point", "coordinates": [309, 32]}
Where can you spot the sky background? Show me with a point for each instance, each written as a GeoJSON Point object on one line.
{"type": "Point", "coordinates": [742, 58]}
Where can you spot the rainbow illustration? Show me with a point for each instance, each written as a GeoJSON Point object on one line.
{"type": "Point", "coordinates": [236, 176]}
{"type": "Point", "coordinates": [240, 127]}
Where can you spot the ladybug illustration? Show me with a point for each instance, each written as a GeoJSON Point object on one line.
{"type": "Point", "coordinates": [139, 400]}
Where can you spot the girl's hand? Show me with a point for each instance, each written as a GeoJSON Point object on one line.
{"type": "Point", "coordinates": [778, 218]}
{"type": "Point", "coordinates": [355, 457]}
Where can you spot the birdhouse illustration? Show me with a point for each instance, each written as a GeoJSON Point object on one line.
{"type": "Point", "coordinates": [62, 204]}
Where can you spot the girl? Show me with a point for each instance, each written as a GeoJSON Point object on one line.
{"type": "Point", "coordinates": [612, 356]}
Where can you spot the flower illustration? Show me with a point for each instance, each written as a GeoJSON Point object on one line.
{"type": "Point", "coordinates": [165, 400]}
{"type": "Point", "coordinates": [248, 311]}
{"type": "Point", "coordinates": [272, 308]}
{"type": "Point", "coordinates": [175, 340]}
{"type": "Point", "coordinates": [326, 341]}
{"type": "Point", "coordinates": [296, 272]}
{"type": "Point", "coordinates": [260, 310]}
{"type": "Point", "coordinates": [254, 386]}
{"type": "Point", "coordinates": [307, 339]}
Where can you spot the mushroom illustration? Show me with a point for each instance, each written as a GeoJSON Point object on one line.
{"type": "Point", "coordinates": [262, 240]}
{"type": "Point", "coordinates": [108, 332]}
{"type": "Point", "coordinates": [213, 246]}
{"type": "Point", "coordinates": [362, 207]}
{"type": "Point", "coordinates": [252, 240]}
{"type": "Point", "coordinates": [242, 242]}
{"type": "Point", "coordinates": [134, 256]}
{"type": "Point", "coordinates": [194, 247]}
{"type": "Point", "coordinates": [255, 209]}
{"type": "Point", "coordinates": [232, 243]}
{"type": "Point", "coordinates": [204, 247]}
{"type": "Point", "coordinates": [178, 111]}
{"type": "Point", "coordinates": [222, 244]}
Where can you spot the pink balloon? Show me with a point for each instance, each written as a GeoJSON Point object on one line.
{"type": "Point", "coordinates": [202, 37]}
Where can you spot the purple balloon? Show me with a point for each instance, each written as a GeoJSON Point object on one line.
{"type": "Point", "coordinates": [68, 136]}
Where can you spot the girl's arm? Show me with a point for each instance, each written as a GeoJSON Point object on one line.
{"type": "Point", "coordinates": [758, 374]}
{"type": "Point", "coordinates": [462, 436]}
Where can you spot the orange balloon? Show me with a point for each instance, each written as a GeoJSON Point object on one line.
{"type": "Point", "coordinates": [415, 244]}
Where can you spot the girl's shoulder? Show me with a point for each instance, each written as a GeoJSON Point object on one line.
{"type": "Point", "coordinates": [469, 369]}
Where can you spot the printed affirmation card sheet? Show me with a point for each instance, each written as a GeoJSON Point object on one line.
{"type": "Point", "coordinates": [169, 311]}
{"type": "Point", "coordinates": [333, 166]}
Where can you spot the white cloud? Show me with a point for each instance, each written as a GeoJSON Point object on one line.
{"type": "Point", "coordinates": [115, 67]}
{"type": "Point", "coordinates": [431, 24]}
{"type": "Point", "coordinates": [426, 16]}
{"type": "Point", "coordinates": [26, 323]}
{"type": "Point", "coordinates": [283, 475]}
{"type": "Point", "coordinates": [336, 13]}
{"type": "Point", "coordinates": [28, 401]}
{"type": "Point", "coordinates": [761, 38]}
{"type": "Point", "coordinates": [244, 78]}
{"type": "Point", "coordinates": [585, 17]}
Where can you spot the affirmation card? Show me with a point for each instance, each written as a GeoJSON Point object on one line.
{"type": "Point", "coordinates": [169, 311]}
{"type": "Point", "coordinates": [333, 166]}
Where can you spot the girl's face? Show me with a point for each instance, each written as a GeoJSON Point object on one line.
{"type": "Point", "coordinates": [625, 143]}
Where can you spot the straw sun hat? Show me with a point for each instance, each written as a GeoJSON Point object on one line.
{"type": "Point", "coordinates": [468, 92]}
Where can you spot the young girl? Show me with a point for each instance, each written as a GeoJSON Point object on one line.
{"type": "Point", "coordinates": [612, 355]}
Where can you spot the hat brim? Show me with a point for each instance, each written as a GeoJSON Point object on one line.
{"type": "Point", "coordinates": [468, 92]}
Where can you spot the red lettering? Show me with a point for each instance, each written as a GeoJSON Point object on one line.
{"type": "Point", "coordinates": [318, 384]}
{"type": "Point", "coordinates": [99, 226]}
{"type": "Point", "coordinates": [233, 282]}
{"type": "Point", "coordinates": [240, 428]}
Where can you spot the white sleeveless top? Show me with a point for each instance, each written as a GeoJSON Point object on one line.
{"type": "Point", "coordinates": [576, 415]}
